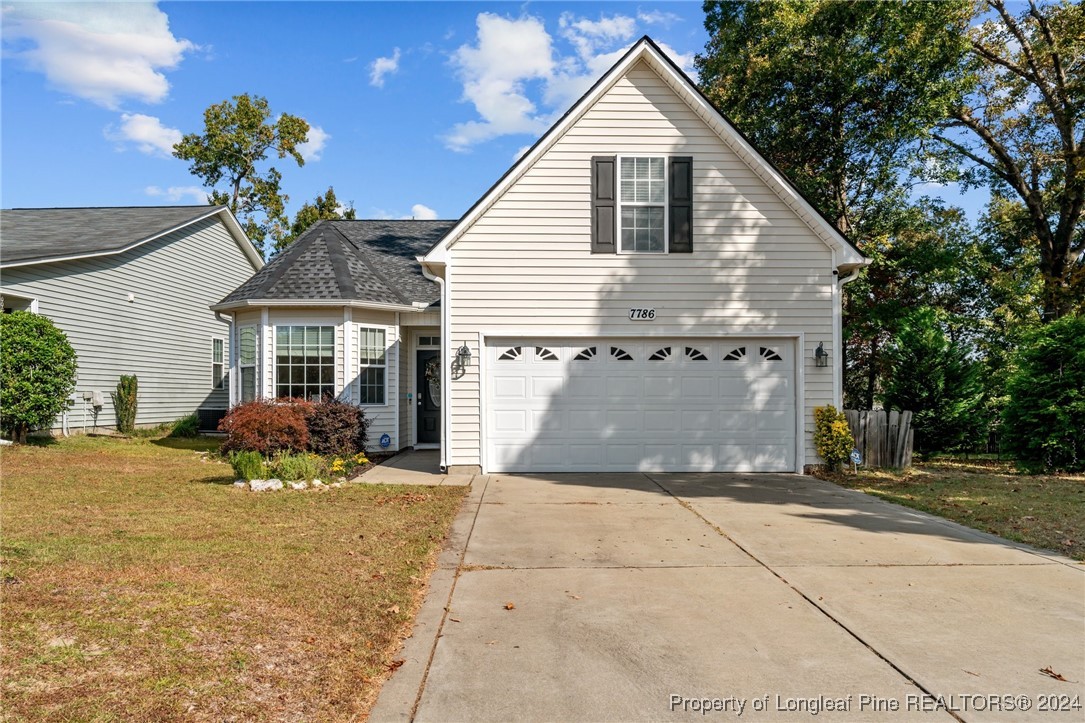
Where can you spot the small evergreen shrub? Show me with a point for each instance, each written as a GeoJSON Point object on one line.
{"type": "Point", "coordinates": [188, 426]}
{"type": "Point", "coordinates": [294, 467]}
{"type": "Point", "coordinates": [337, 428]}
{"type": "Point", "coordinates": [37, 373]}
{"type": "Point", "coordinates": [832, 436]}
{"type": "Point", "coordinates": [126, 403]}
{"type": "Point", "coordinates": [248, 465]}
{"type": "Point", "coordinates": [264, 426]}
{"type": "Point", "coordinates": [1044, 418]}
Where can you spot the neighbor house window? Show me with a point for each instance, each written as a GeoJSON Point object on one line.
{"type": "Point", "coordinates": [304, 361]}
{"type": "Point", "coordinates": [372, 365]}
{"type": "Point", "coordinates": [218, 363]}
{"type": "Point", "coordinates": [246, 361]}
{"type": "Point", "coordinates": [643, 198]}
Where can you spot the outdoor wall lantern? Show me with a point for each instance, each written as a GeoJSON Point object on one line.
{"type": "Point", "coordinates": [463, 356]}
{"type": "Point", "coordinates": [821, 357]}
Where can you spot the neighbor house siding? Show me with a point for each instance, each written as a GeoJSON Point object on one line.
{"type": "Point", "coordinates": [525, 266]}
{"type": "Point", "coordinates": [163, 335]}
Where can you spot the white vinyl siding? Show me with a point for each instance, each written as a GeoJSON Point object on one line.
{"type": "Point", "coordinates": [161, 335]}
{"type": "Point", "coordinates": [525, 268]}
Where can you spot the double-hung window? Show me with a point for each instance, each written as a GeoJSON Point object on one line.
{"type": "Point", "coordinates": [305, 361]}
{"type": "Point", "coordinates": [643, 198]}
{"type": "Point", "coordinates": [372, 365]}
{"type": "Point", "coordinates": [218, 363]}
{"type": "Point", "coordinates": [246, 361]}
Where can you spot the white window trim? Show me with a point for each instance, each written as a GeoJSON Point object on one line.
{"type": "Point", "coordinates": [358, 329]}
{"type": "Point", "coordinates": [255, 365]}
{"type": "Point", "coordinates": [275, 352]}
{"type": "Point", "coordinates": [223, 384]}
{"type": "Point", "coordinates": [666, 205]}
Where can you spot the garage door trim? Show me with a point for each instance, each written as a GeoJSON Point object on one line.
{"type": "Point", "coordinates": [486, 338]}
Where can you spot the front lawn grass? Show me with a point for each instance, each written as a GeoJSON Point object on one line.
{"type": "Point", "coordinates": [1046, 511]}
{"type": "Point", "coordinates": [139, 584]}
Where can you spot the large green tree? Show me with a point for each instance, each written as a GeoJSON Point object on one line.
{"type": "Point", "coordinates": [1021, 131]}
{"type": "Point", "coordinates": [835, 93]}
{"type": "Point", "coordinates": [932, 375]}
{"type": "Point", "coordinates": [230, 156]}
{"type": "Point", "coordinates": [323, 208]}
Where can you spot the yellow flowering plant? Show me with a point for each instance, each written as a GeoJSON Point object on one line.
{"type": "Point", "coordinates": [832, 436]}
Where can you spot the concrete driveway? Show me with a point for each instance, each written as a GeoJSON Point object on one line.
{"type": "Point", "coordinates": [752, 597]}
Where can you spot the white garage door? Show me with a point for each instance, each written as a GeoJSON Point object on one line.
{"type": "Point", "coordinates": [636, 405]}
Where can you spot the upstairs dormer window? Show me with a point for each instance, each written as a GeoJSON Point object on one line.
{"type": "Point", "coordinates": [641, 204]}
{"type": "Point", "coordinates": [643, 198]}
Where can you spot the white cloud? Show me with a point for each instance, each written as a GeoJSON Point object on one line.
{"type": "Point", "coordinates": [146, 132]}
{"type": "Point", "coordinates": [178, 193]}
{"type": "Point", "coordinates": [382, 67]}
{"type": "Point", "coordinates": [508, 54]}
{"type": "Point", "coordinates": [513, 69]}
{"type": "Point", "coordinates": [423, 213]}
{"type": "Point", "coordinates": [312, 148]}
{"type": "Point", "coordinates": [520, 152]}
{"type": "Point", "coordinates": [98, 51]}
{"type": "Point", "coordinates": [657, 17]}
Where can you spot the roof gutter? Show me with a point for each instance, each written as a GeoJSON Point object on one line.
{"type": "Point", "coordinates": [414, 307]}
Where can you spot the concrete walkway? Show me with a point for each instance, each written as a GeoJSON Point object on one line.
{"type": "Point", "coordinates": [414, 467]}
{"type": "Point", "coordinates": [761, 597]}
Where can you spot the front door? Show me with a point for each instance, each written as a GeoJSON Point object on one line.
{"type": "Point", "coordinates": [429, 397]}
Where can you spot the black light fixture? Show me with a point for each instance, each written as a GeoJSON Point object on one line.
{"type": "Point", "coordinates": [463, 356]}
{"type": "Point", "coordinates": [821, 357]}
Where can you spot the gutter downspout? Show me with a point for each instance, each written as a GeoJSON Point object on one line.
{"type": "Point", "coordinates": [838, 334]}
{"type": "Point", "coordinates": [233, 357]}
{"type": "Point", "coordinates": [446, 364]}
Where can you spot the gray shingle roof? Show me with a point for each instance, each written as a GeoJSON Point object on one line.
{"type": "Point", "coordinates": [44, 234]}
{"type": "Point", "coordinates": [372, 261]}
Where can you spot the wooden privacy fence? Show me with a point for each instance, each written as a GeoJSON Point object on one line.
{"type": "Point", "coordinates": [883, 438]}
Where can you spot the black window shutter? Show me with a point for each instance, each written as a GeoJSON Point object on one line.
{"type": "Point", "coordinates": [604, 222]}
{"type": "Point", "coordinates": [681, 205]}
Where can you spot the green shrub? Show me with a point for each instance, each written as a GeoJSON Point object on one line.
{"type": "Point", "coordinates": [933, 377]}
{"type": "Point", "coordinates": [186, 426]}
{"type": "Point", "coordinates": [125, 403]}
{"type": "Point", "coordinates": [1045, 414]}
{"type": "Point", "coordinates": [37, 372]}
{"type": "Point", "coordinates": [832, 436]}
{"type": "Point", "coordinates": [248, 465]}
{"type": "Point", "coordinates": [293, 467]}
{"type": "Point", "coordinates": [266, 427]}
{"type": "Point", "coordinates": [336, 428]}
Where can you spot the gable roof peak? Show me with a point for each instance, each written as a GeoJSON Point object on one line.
{"type": "Point", "coordinates": [647, 49]}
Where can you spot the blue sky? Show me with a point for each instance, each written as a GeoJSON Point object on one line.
{"type": "Point", "coordinates": [416, 108]}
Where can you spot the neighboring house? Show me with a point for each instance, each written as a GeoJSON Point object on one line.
{"type": "Point", "coordinates": [131, 289]}
{"type": "Point", "coordinates": [641, 291]}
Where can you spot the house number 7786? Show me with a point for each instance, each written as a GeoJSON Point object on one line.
{"type": "Point", "coordinates": [642, 314]}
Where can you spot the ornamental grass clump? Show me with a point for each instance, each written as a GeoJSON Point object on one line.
{"type": "Point", "coordinates": [248, 465]}
{"type": "Point", "coordinates": [832, 436]}
{"type": "Point", "coordinates": [294, 467]}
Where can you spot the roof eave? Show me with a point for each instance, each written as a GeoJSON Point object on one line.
{"type": "Point", "coordinates": [414, 307]}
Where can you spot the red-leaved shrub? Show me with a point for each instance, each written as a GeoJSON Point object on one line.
{"type": "Point", "coordinates": [336, 428]}
{"type": "Point", "coordinates": [266, 427]}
